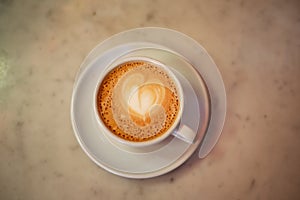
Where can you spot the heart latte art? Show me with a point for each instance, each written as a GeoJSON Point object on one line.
{"type": "Point", "coordinates": [138, 101]}
{"type": "Point", "coordinates": [146, 99]}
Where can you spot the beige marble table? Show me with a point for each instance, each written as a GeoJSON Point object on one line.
{"type": "Point", "coordinates": [256, 45]}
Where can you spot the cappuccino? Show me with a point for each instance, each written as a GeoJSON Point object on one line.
{"type": "Point", "coordinates": [138, 101]}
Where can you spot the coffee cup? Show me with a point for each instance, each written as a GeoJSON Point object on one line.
{"type": "Point", "coordinates": [139, 101]}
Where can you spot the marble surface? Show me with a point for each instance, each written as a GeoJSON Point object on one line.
{"type": "Point", "coordinates": [256, 45]}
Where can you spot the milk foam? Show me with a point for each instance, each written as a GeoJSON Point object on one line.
{"type": "Point", "coordinates": [144, 98]}
{"type": "Point", "coordinates": [138, 101]}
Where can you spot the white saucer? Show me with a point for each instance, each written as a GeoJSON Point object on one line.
{"type": "Point", "coordinates": [198, 109]}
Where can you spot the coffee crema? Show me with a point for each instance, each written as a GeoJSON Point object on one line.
{"type": "Point", "coordinates": [138, 101]}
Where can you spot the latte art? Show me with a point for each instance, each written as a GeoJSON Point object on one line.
{"type": "Point", "coordinates": [143, 101]}
{"type": "Point", "coordinates": [138, 101]}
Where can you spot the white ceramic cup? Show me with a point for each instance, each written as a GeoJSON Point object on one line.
{"type": "Point", "coordinates": [182, 132]}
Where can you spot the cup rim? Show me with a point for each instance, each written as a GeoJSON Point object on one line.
{"type": "Point", "coordinates": [156, 140]}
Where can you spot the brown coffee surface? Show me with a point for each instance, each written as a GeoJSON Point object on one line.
{"type": "Point", "coordinates": [138, 101]}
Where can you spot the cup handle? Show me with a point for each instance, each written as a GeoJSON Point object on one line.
{"type": "Point", "coordinates": [185, 133]}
